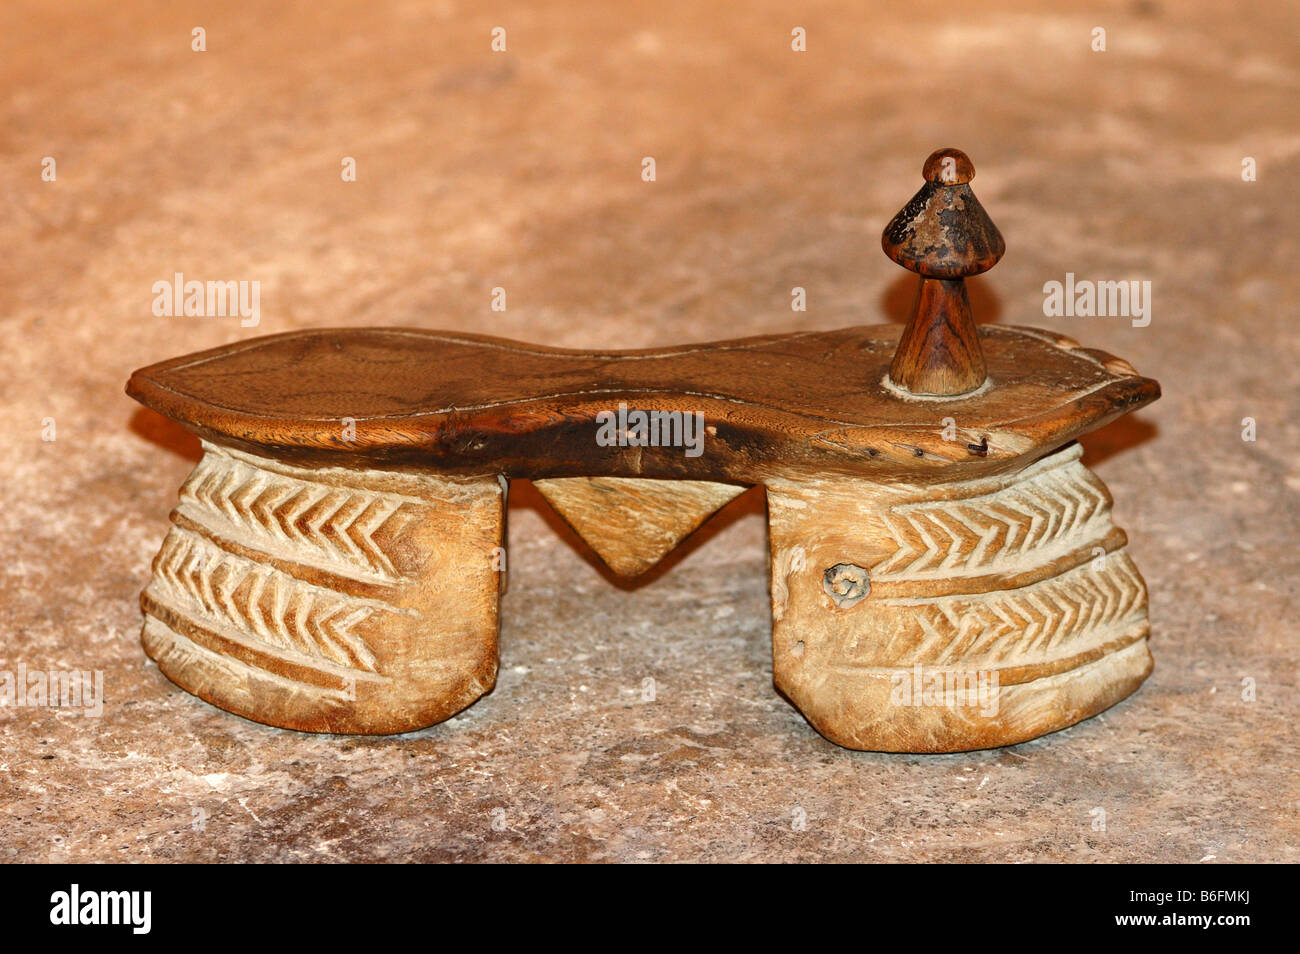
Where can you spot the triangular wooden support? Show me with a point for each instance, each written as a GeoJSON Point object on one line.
{"type": "Point", "coordinates": [632, 523]}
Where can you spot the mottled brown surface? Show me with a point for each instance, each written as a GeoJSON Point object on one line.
{"type": "Point", "coordinates": [523, 170]}
{"type": "Point", "coordinates": [804, 404]}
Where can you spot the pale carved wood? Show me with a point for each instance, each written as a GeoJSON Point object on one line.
{"type": "Point", "coordinates": [1021, 578]}
{"type": "Point", "coordinates": [335, 561]}
{"type": "Point", "coordinates": [328, 599]}
{"type": "Point", "coordinates": [304, 570]}
{"type": "Point", "coordinates": [631, 523]}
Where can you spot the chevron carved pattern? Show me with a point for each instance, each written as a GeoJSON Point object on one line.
{"type": "Point", "coordinates": [1082, 609]}
{"type": "Point", "coordinates": [1057, 510]}
{"type": "Point", "coordinates": [337, 528]}
{"type": "Point", "coordinates": [203, 583]}
{"type": "Point", "coordinates": [1063, 584]}
{"type": "Point", "coordinates": [328, 598]}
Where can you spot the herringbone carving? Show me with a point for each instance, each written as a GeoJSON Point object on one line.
{"type": "Point", "coordinates": [1086, 607]}
{"type": "Point", "coordinates": [336, 527]}
{"type": "Point", "coordinates": [209, 585]}
{"type": "Point", "coordinates": [1058, 510]}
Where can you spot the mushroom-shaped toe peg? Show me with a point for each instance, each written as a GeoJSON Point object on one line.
{"type": "Point", "coordinates": [943, 234]}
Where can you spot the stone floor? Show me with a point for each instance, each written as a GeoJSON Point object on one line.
{"type": "Point", "coordinates": [522, 169]}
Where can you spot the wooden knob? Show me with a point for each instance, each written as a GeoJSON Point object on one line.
{"type": "Point", "coordinates": [943, 234]}
{"type": "Point", "coordinates": [948, 167]}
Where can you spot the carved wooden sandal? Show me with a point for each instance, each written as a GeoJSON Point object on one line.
{"type": "Point", "coordinates": [944, 571]}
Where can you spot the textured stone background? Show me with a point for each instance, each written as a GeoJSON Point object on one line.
{"type": "Point", "coordinates": [522, 169]}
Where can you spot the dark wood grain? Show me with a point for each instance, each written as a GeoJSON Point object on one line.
{"type": "Point", "coordinates": [774, 405]}
{"type": "Point", "coordinates": [939, 352]}
{"type": "Point", "coordinates": [944, 235]}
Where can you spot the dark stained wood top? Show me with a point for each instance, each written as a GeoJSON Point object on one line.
{"type": "Point", "coordinates": [797, 404]}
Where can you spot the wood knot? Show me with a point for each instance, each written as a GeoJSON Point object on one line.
{"type": "Point", "coordinates": [847, 584]}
